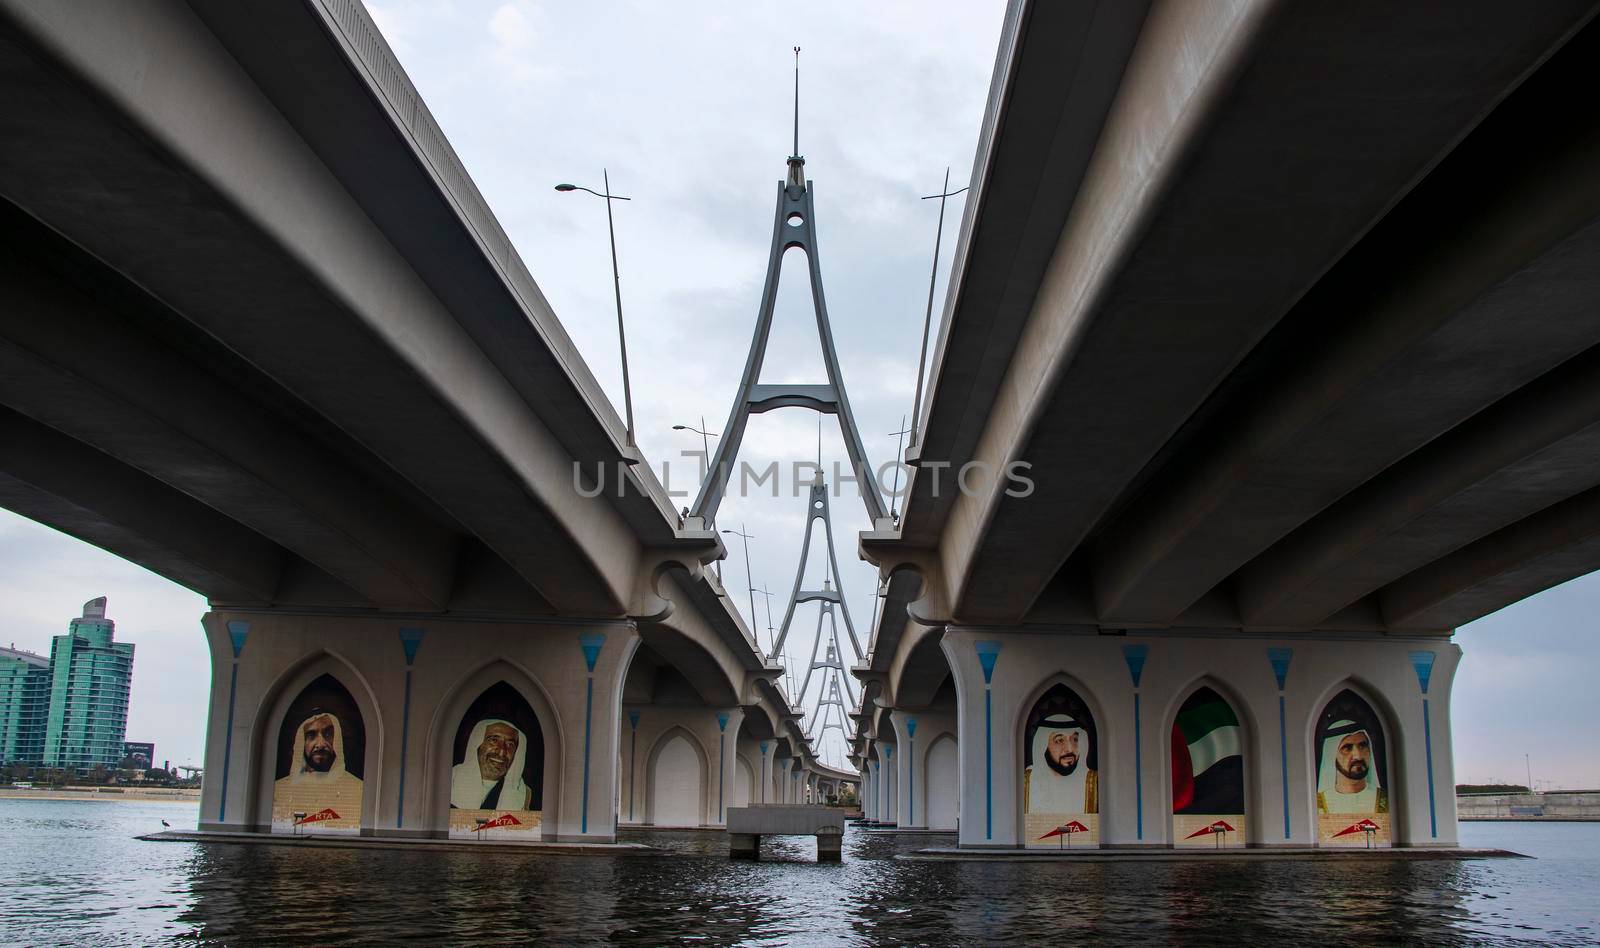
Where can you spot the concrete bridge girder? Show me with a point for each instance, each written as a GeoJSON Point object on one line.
{"type": "Point", "coordinates": [284, 213]}
{"type": "Point", "coordinates": [1207, 109]}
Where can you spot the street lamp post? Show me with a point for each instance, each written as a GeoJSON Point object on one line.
{"type": "Point", "coordinates": [616, 281]}
{"type": "Point", "coordinates": [927, 320]}
{"type": "Point", "coordinates": [749, 582]}
{"type": "Point", "coordinates": [771, 635]}
{"type": "Point", "coordinates": [705, 442]}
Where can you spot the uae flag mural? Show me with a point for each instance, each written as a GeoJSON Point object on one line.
{"type": "Point", "coordinates": [1207, 773]}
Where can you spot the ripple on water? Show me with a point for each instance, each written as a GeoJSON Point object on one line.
{"type": "Point", "coordinates": [72, 874]}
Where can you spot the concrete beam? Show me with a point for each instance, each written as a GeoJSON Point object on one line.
{"type": "Point", "coordinates": [1476, 283]}
{"type": "Point", "coordinates": [67, 486]}
{"type": "Point", "coordinates": [1534, 448]}
{"type": "Point", "coordinates": [149, 146]}
{"type": "Point", "coordinates": [77, 360]}
{"type": "Point", "coordinates": [1559, 543]}
{"type": "Point", "coordinates": [1192, 235]}
{"type": "Point", "coordinates": [1055, 77]}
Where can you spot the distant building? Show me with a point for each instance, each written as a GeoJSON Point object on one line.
{"type": "Point", "coordinates": [24, 705]}
{"type": "Point", "coordinates": [90, 676]}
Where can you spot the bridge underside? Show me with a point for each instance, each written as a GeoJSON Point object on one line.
{"type": "Point", "coordinates": [1305, 339]}
{"type": "Point", "coordinates": [1292, 314]}
{"type": "Point", "coordinates": [260, 334]}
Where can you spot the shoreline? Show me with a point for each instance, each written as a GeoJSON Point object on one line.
{"type": "Point", "coordinates": [119, 796]}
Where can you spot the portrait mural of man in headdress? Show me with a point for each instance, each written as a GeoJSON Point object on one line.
{"type": "Point", "coordinates": [1060, 778]}
{"type": "Point", "coordinates": [1352, 799]}
{"type": "Point", "coordinates": [321, 746]}
{"type": "Point", "coordinates": [497, 769]}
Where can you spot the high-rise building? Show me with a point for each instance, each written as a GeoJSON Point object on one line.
{"type": "Point", "coordinates": [24, 705]}
{"type": "Point", "coordinates": [90, 676]}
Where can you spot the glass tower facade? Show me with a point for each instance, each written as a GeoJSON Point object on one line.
{"type": "Point", "coordinates": [90, 676]}
{"type": "Point", "coordinates": [24, 705]}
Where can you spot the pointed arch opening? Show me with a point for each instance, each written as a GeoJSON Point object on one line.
{"type": "Point", "coordinates": [1352, 769]}
{"type": "Point", "coordinates": [499, 690]}
{"type": "Point", "coordinates": [942, 776]}
{"type": "Point", "coordinates": [679, 773]}
{"type": "Point", "coordinates": [497, 768]}
{"type": "Point", "coordinates": [336, 767]}
{"type": "Point", "coordinates": [1208, 740]}
{"type": "Point", "coordinates": [319, 762]}
{"type": "Point", "coordinates": [1061, 791]}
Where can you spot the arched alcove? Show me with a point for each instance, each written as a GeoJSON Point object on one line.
{"type": "Point", "coordinates": [678, 776]}
{"type": "Point", "coordinates": [1208, 766]}
{"type": "Point", "coordinates": [1352, 763]}
{"type": "Point", "coordinates": [487, 694]}
{"type": "Point", "coordinates": [338, 770]}
{"type": "Point", "coordinates": [943, 776]}
{"type": "Point", "coordinates": [1060, 796]}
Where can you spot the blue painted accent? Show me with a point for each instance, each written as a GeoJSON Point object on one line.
{"type": "Point", "coordinates": [911, 771]}
{"type": "Point", "coordinates": [237, 630]}
{"type": "Point", "coordinates": [591, 642]}
{"type": "Point", "coordinates": [1283, 754]}
{"type": "Point", "coordinates": [411, 640]}
{"type": "Point", "coordinates": [1279, 657]}
{"type": "Point", "coordinates": [988, 764]}
{"type": "Point", "coordinates": [763, 746]}
{"type": "Point", "coordinates": [1427, 744]}
{"type": "Point", "coordinates": [722, 720]}
{"type": "Point", "coordinates": [405, 731]}
{"type": "Point", "coordinates": [888, 752]}
{"type": "Point", "coordinates": [988, 652]}
{"type": "Point", "coordinates": [1138, 753]}
{"type": "Point", "coordinates": [1422, 663]}
{"type": "Point", "coordinates": [227, 739]}
{"type": "Point", "coordinates": [633, 718]}
{"type": "Point", "coordinates": [1135, 655]}
{"type": "Point", "coordinates": [588, 717]}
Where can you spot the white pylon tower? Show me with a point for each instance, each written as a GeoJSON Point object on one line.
{"type": "Point", "coordinates": [830, 595]}
{"type": "Point", "coordinates": [794, 225]}
{"type": "Point", "coordinates": [831, 711]}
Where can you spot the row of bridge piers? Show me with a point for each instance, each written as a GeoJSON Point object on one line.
{"type": "Point", "coordinates": [1172, 734]}
{"type": "Point", "coordinates": [552, 731]}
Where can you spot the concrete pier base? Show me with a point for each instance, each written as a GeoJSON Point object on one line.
{"type": "Point", "coordinates": [747, 824]}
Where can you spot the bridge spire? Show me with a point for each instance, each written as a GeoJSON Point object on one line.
{"type": "Point", "coordinates": [794, 225]}
{"type": "Point", "coordinates": [794, 154]}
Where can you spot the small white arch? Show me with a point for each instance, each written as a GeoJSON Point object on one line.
{"type": "Point", "coordinates": [942, 775]}
{"type": "Point", "coordinates": [683, 778]}
{"type": "Point", "coordinates": [744, 782]}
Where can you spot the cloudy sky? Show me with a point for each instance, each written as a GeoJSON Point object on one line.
{"type": "Point", "coordinates": [692, 117]}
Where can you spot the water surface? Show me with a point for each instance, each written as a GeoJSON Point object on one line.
{"type": "Point", "coordinates": [71, 874]}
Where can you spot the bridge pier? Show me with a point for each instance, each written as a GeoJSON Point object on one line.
{"type": "Point", "coordinates": [916, 733]}
{"type": "Point", "coordinates": [401, 717]}
{"type": "Point", "coordinates": [1260, 724]}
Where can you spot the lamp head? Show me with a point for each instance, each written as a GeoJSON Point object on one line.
{"type": "Point", "coordinates": [566, 187]}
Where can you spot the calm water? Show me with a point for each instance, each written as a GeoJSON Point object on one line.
{"type": "Point", "coordinates": [71, 873]}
